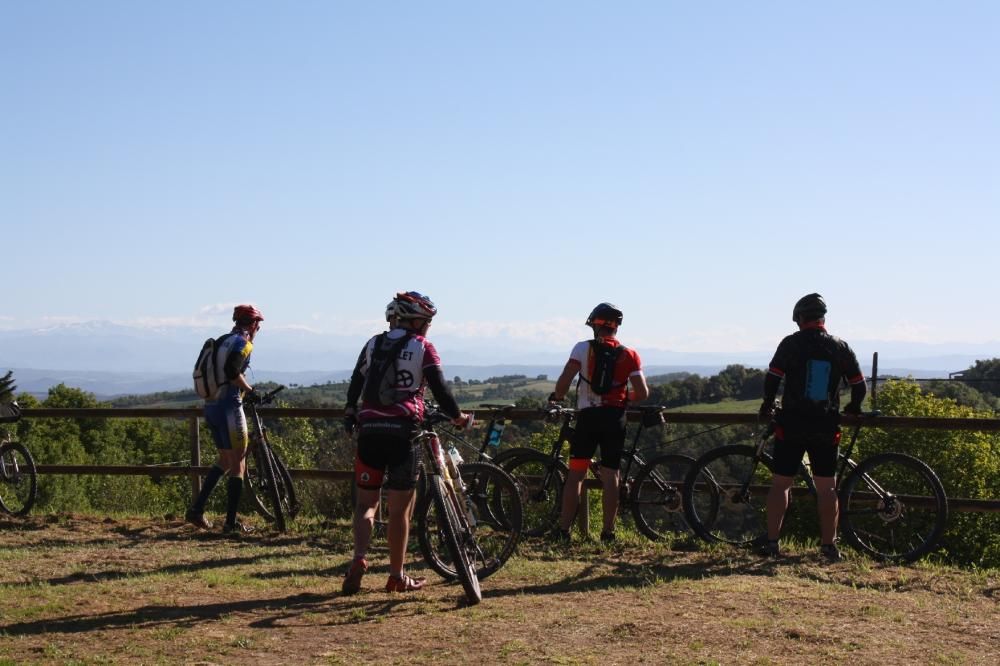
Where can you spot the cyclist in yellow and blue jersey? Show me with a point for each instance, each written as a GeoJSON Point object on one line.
{"type": "Point", "coordinates": [226, 420]}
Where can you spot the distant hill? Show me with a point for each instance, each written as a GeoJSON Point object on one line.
{"type": "Point", "coordinates": [109, 359]}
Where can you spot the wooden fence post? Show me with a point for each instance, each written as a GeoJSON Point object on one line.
{"type": "Point", "coordinates": [195, 433]}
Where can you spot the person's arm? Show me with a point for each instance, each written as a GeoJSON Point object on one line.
{"type": "Point", "coordinates": [858, 392]}
{"type": "Point", "coordinates": [236, 362]}
{"type": "Point", "coordinates": [357, 382]}
{"type": "Point", "coordinates": [771, 384]}
{"type": "Point", "coordinates": [565, 380]}
{"type": "Point", "coordinates": [445, 400]}
{"type": "Point", "coordinates": [772, 380]}
{"type": "Point", "coordinates": [856, 379]}
{"type": "Point", "coordinates": [640, 389]}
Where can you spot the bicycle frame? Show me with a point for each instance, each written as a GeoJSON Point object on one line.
{"type": "Point", "coordinates": [434, 455]}
{"type": "Point", "coordinates": [845, 464]}
{"type": "Point", "coordinates": [631, 456]}
{"type": "Point", "coordinates": [273, 475]}
{"type": "Point", "coordinates": [486, 445]}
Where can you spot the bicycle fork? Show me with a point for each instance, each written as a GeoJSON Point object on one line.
{"type": "Point", "coordinates": [9, 469]}
{"type": "Point", "coordinates": [453, 483]}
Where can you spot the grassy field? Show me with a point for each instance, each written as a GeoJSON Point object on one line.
{"type": "Point", "coordinates": [82, 589]}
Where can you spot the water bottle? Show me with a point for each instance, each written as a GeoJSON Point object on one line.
{"type": "Point", "coordinates": [495, 432]}
{"type": "Point", "coordinates": [456, 459]}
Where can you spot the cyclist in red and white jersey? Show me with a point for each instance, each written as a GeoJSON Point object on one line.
{"type": "Point", "coordinates": [601, 419]}
{"type": "Point", "coordinates": [385, 428]}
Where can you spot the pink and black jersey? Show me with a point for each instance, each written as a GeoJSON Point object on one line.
{"type": "Point", "coordinates": [627, 366]}
{"type": "Point", "coordinates": [411, 365]}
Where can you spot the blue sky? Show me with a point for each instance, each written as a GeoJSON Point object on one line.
{"type": "Point", "coordinates": [702, 165]}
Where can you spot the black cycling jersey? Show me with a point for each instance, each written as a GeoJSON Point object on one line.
{"type": "Point", "coordinates": [813, 364]}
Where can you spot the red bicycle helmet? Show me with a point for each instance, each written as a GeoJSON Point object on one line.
{"type": "Point", "coordinates": [414, 305]}
{"type": "Point", "coordinates": [246, 314]}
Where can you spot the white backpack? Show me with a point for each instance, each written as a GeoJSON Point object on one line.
{"type": "Point", "coordinates": [209, 372]}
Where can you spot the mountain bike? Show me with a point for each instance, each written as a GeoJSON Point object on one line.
{"type": "Point", "coordinates": [18, 477]}
{"type": "Point", "coordinates": [469, 519]}
{"type": "Point", "coordinates": [650, 489]}
{"type": "Point", "coordinates": [892, 505]}
{"type": "Point", "coordinates": [455, 437]}
{"type": "Point", "coordinates": [267, 481]}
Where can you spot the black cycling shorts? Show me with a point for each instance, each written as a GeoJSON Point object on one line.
{"type": "Point", "coordinates": [381, 452]}
{"type": "Point", "coordinates": [602, 427]}
{"type": "Point", "coordinates": [791, 444]}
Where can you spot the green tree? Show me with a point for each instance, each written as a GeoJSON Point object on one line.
{"type": "Point", "coordinates": [968, 464]}
{"type": "Point", "coordinates": [984, 376]}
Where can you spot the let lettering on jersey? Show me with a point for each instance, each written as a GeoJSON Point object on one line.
{"type": "Point", "coordinates": [417, 355]}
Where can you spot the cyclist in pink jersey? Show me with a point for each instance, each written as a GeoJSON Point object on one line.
{"type": "Point", "coordinates": [606, 369]}
{"type": "Point", "coordinates": [390, 413]}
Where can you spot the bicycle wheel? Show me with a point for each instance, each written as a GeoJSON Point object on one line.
{"type": "Point", "coordinates": [286, 490]}
{"type": "Point", "coordinates": [18, 479]}
{"type": "Point", "coordinates": [254, 492]}
{"type": "Point", "coordinates": [893, 507]}
{"type": "Point", "coordinates": [257, 492]}
{"type": "Point", "coordinates": [267, 495]}
{"type": "Point", "coordinates": [540, 481]}
{"type": "Point", "coordinates": [494, 505]}
{"type": "Point", "coordinates": [725, 494]}
{"type": "Point", "coordinates": [656, 498]}
{"type": "Point", "coordinates": [450, 531]}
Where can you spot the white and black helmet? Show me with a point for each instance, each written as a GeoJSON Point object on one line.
{"type": "Point", "coordinates": [414, 305]}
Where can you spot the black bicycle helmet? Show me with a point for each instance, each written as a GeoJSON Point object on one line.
{"type": "Point", "coordinates": [810, 306]}
{"type": "Point", "coordinates": [604, 315]}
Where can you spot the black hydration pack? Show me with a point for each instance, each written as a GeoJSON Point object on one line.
{"type": "Point", "coordinates": [605, 358]}
{"type": "Point", "coordinates": [380, 378]}
{"type": "Point", "coordinates": [822, 375]}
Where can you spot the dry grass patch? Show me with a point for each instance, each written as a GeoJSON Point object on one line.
{"type": "Point", "coordinates": [146, 589]}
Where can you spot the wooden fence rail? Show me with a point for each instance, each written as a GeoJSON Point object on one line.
{"type": "Point", "coordinates": [195, 470]}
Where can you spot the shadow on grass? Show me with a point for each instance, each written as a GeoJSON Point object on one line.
{"type": "Point", "coordinates": [147, 617]}
{"type": "Point", "coordinates": [272, 613]}
{"type": "Point", "coordinates": [644, 572]}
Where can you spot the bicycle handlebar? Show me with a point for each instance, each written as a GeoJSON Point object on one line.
{"type": "Point", "coordinates": [434, 416]}
{"type": "Point", "coordinates": [267, 398]}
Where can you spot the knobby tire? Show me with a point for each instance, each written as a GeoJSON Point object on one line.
{"type": "Point", "coordinates": [656, 498]}
{"type": "Point", "coordinates": [893, 507]}
{"type": "Point", "coordinates": [495, 505]}
{"type": "Point", "coordinates": [540, 480]}
{"type": "Point", "coordinates": [716, 505]}
{"type": "Point", "coordinates": [258, 490]}
{"type": "Point", "coordinates": [18, 479]}
{"type": "Point", "coordinates": [451, 532]}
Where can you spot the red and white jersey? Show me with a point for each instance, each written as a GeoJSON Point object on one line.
{"type": "Point", "coordinates": [628, 365]}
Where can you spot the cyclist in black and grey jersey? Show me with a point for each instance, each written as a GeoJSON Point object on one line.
{"type": "Point", "coordinates": [812, 363]}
